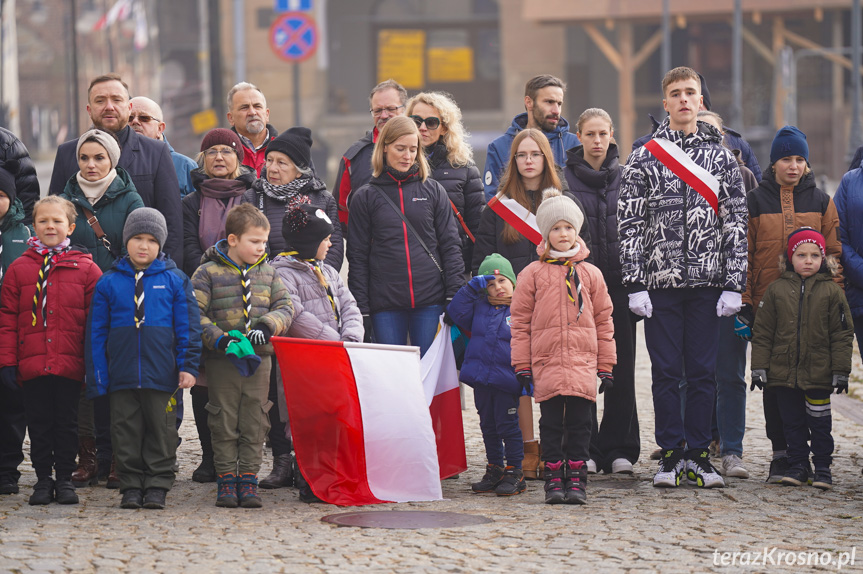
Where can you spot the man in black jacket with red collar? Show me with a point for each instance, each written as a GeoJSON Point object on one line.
{"type": "Point", "coordinates": [147, 161]}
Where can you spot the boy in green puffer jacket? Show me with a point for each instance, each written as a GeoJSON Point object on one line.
{"type": "Point", "coordinates": [238, 291]}
{"type": "Point", "coordinates": [801, 347]}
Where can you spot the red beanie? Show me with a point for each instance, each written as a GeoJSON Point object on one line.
{"type": "Point", "coordinates": [222, 136]}
{"type": "Point", "coordinates": [805, 235]}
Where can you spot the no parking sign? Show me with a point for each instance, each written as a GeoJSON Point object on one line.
{"type": "Point", "coordinates": [294, 37]}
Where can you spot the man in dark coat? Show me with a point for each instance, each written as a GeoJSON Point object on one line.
{"type": "Point", "coordinates": [147, 161]}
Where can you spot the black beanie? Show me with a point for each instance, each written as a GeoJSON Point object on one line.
{"type": "Point", "coordinates": [296, 143]}
{"type": "Point", "coordinates": [705, 93]}
{"type": "Point", "coordinates": [304, 227]}
{"type": "Point", "coordinates": [8, 169]}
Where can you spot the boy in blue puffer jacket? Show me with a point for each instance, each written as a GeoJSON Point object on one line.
{"type": "Point", "coordinates": [482, 307]}
{"type": "Point", "coordinates": [143, 343]}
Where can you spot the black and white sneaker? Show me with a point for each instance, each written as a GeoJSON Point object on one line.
{"type": "Point", "coordinates": [699, 470]}
{"type": "Point", "coordinates": [671, 468]}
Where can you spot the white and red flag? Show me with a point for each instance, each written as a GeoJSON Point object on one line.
{"type": "Point", "coordinates": [361, 422]}
{"type": "Point", "coordinates": [684, 167]}
{"type": "Point", "coordinates": [517, 215]}
{"type": "Point", "coordinates": [121, 10]}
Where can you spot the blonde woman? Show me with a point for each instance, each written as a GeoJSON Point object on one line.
{"type": "Point", "coordinates": [403, 245]}
{"type": "Point", "coordinates": [450, 160]}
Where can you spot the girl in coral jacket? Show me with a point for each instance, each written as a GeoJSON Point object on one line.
{"type": "Point", "coordinates": [562, 339]}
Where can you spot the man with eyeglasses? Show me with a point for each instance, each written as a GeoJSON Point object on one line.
{"type": "Point", "coordinates": [147, 161]}
{"type": "Point", "coordinates": [249, 117]}
{"type": "Point", "coordinates": [543, 102]}
{"type": "Point", "coordinates": [386, 101]}
{"type": "Point", "coordinates": [148, 120]}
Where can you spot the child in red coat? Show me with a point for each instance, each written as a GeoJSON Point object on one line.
{"type": "Point", "coordinates": [45, 297]}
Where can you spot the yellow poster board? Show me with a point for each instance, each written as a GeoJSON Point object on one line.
{"type": "Point", "coordinates": [450, 64]}
{"type": "Point", "coordinates": [400, 57]}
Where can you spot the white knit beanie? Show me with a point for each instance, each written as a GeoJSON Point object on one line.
{"type": "Point", "coordinates": [557, 207]}
{"type": "Point", "coordinates": [106, 140]}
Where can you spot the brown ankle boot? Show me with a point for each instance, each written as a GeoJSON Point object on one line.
{"type": "Point", "coordinates": [85, 474]}
{"type": "Point", "coordinates": [530, 463]}
{"type": "Point", "coordinates": [113, 477]}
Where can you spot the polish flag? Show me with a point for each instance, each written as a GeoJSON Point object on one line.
{"type": "Point", "coordinates": [360, 421]}
{"type": "Point", "coordinates": [440, 382]}
{"type": "Point", "coordinates": [121, 10]}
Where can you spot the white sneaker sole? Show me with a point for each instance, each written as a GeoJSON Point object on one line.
{"type": "Point", "coordinates": [621, 466]}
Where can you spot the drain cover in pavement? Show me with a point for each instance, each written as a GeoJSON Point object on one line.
{"type": "Point", "coordinates": [408, 519]}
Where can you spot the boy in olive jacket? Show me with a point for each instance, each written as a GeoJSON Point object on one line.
{"type": "Point", "coordinates": [801, 347]}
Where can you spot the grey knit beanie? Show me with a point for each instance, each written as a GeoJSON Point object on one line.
{"type": "Point", "coordinates": [146, 220]}
{"type": "Point", "coordinates": [557, 207]}
{"type": "Point", "coordinates": [107, 141]}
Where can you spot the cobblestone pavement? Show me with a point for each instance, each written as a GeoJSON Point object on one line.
{"type": "Point", "coordinates": [627, 526]}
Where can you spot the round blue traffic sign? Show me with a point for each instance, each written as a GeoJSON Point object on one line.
{"type": "Point", "coordinates": [294, 36]}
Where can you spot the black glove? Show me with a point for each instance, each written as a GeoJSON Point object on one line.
{"type": "Point", "coordinates": [759, 378]}
{"type": "Point", "coordinates": [9, 377]}
{"type": "Point", "coordinates": [260, 335]}
{"type": "Point", "coordinates": [840, 383]}
{"type": "Point", "coordinates": [606, 381]}
{"type": "Point", "coordinates": [525, 377]}
{"type": "Point", "coordinates": [225, 340]}
{"type": "Point", "coordinates": [367, 326]}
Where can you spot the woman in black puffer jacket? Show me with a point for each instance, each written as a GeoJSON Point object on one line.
{"type": "Point", "coordinates": [450, 160]}
{"type": "Point", "coordinates": [593, 174]}
{"type": "Point", "coordinates": [287, 178]}
{"type": "Point", "coordinates": [399, 286]}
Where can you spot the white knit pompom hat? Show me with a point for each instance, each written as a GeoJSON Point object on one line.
{"type": "Point", "coordinates": [557, 207]}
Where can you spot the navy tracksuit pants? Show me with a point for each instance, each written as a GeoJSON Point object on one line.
{"type": "Point", "coordinates": [684, 330]}
{"type": "Point", "coordinates": [806, 415]}
{"type": "Point", "coordinates": [498, 420]}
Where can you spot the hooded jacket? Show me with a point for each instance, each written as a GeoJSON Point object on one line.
{"type": "Point", "coordinates": [112, 209]}
{"type": "Point", "coordinates": [26, 182]}
{"type": "Point", "coordinates": [487, 358]}
{"type": "Point", "coordinates": [58, 348]}
{"type": "Point", "coordinates": [849, 205]}
{"type": "Point", "coordinates": [122, 356]}
{"type": "Point", "coordinates": [774, 212]}
{"type": "Point", "coordinates": [563, 350]}
{"type": "Point", "coordinates": [598, 193]}
{"type": "Point", "coordinates": [220, 298]}
{"type": "Point", "coordinates": [498, 151]}
{"type": "Point", "coordinates": [316, 191]}
{"type": "Point", "coordinates": [670, 236]}
{"type": "Point", "coordinates": [803, 332]}
{"type": "Point", "coordinates": [14, 235]}
{"type": "Point", "coordinates": [192, 251]}
{"type": "Point", "coordinates": [389, 268]}
{"type": "Point", "coordinates": [314, 317]}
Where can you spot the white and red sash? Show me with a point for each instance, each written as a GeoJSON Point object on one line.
{"type": "Point", "coordinates": [516, 215]}
{"type": "Point", "coordinates": [692, 174]}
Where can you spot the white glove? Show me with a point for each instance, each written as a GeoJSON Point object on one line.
{"type": "Point", "coordinates": [639, 303]}
{"type": "Point", "coordinates": [730, 302]}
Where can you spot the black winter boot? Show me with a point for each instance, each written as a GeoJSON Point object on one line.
{"type": "Point", "coordinates": [282, 474]}
{"type": "Point", "coordinates": [43, 492]}
{"type": "Point", "coordinates": [65, 491]}
{"type": "Point", "coordinates": [492, 477]}
{"type": "Point", "coordinates": [511, 483]}
{"type": "Point", "coordinates": [555, 474]}
{"type": "Point", "coordinates": [576, 482]}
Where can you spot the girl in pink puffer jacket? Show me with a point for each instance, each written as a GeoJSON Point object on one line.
{"type": "Point", "coordinates": [562, 339]}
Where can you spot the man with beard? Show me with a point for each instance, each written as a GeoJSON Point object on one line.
{"type": "Point", "coordinates": [147, 161]}
{"type": "Point", "coordinates": [148, 120]}
{"type": "Point", "coordinates": [543, 100]}
{"type": "Point", "coordinates": [249, 116]}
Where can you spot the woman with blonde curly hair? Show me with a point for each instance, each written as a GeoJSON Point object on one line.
{"type": "Point", "coordinates": [450, 160]}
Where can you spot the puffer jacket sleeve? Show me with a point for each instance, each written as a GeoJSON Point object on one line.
{"type": "Point", "coordinates": [606, 350]}
{"type": "Point", "coordinates": [352, 320]}
{"type": "Point", "coordinates": [632, 222]}
{"type": "Point", "coordinates": [202, 282]}
{"type": "Point", "coordinates": [841, 333]}
{"type": "Point", "coordinates": [336, 254]}
{"type": "Point", "coordinates": [751, 238]}
{"type": "Point", "coordinates": [187, 325]}
{"type": "Point", "coordinates": [305, 324]}
{"type": "Point", "coordinates": [852, 259]}
{"type": "Point", "coordinates": [359, 248]}
{"type": "Point", "coordinates": [462, 306]}
{"type": "Point", "coordinates": [830, 231]}
{"type": "Point", "coordinates": [449, 244]}
{"type": "Point", "coordinates": [96, 343]}
{"type": "Point", "coordinates": [281, 312]}
{"type": "Point", "coordinates": [473, 199]}
{"type": "Point", "coordinates": [521, 311]}
{"type": "Point", "coordinates": [10, 298]}
{"type": "Point", "coordinates": [486, 239]}
{"type": "Point", "coordinates": [734, 215]}
{"type": "Point", "coordinates": [763, 330]}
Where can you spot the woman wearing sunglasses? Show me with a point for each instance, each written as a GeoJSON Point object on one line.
{"type": "Point", "coordinates": [529, 171]}
{"type": "Point", "coordinates": [219, 182]}
{"type": "Point", "coordinates": [450, 160]}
